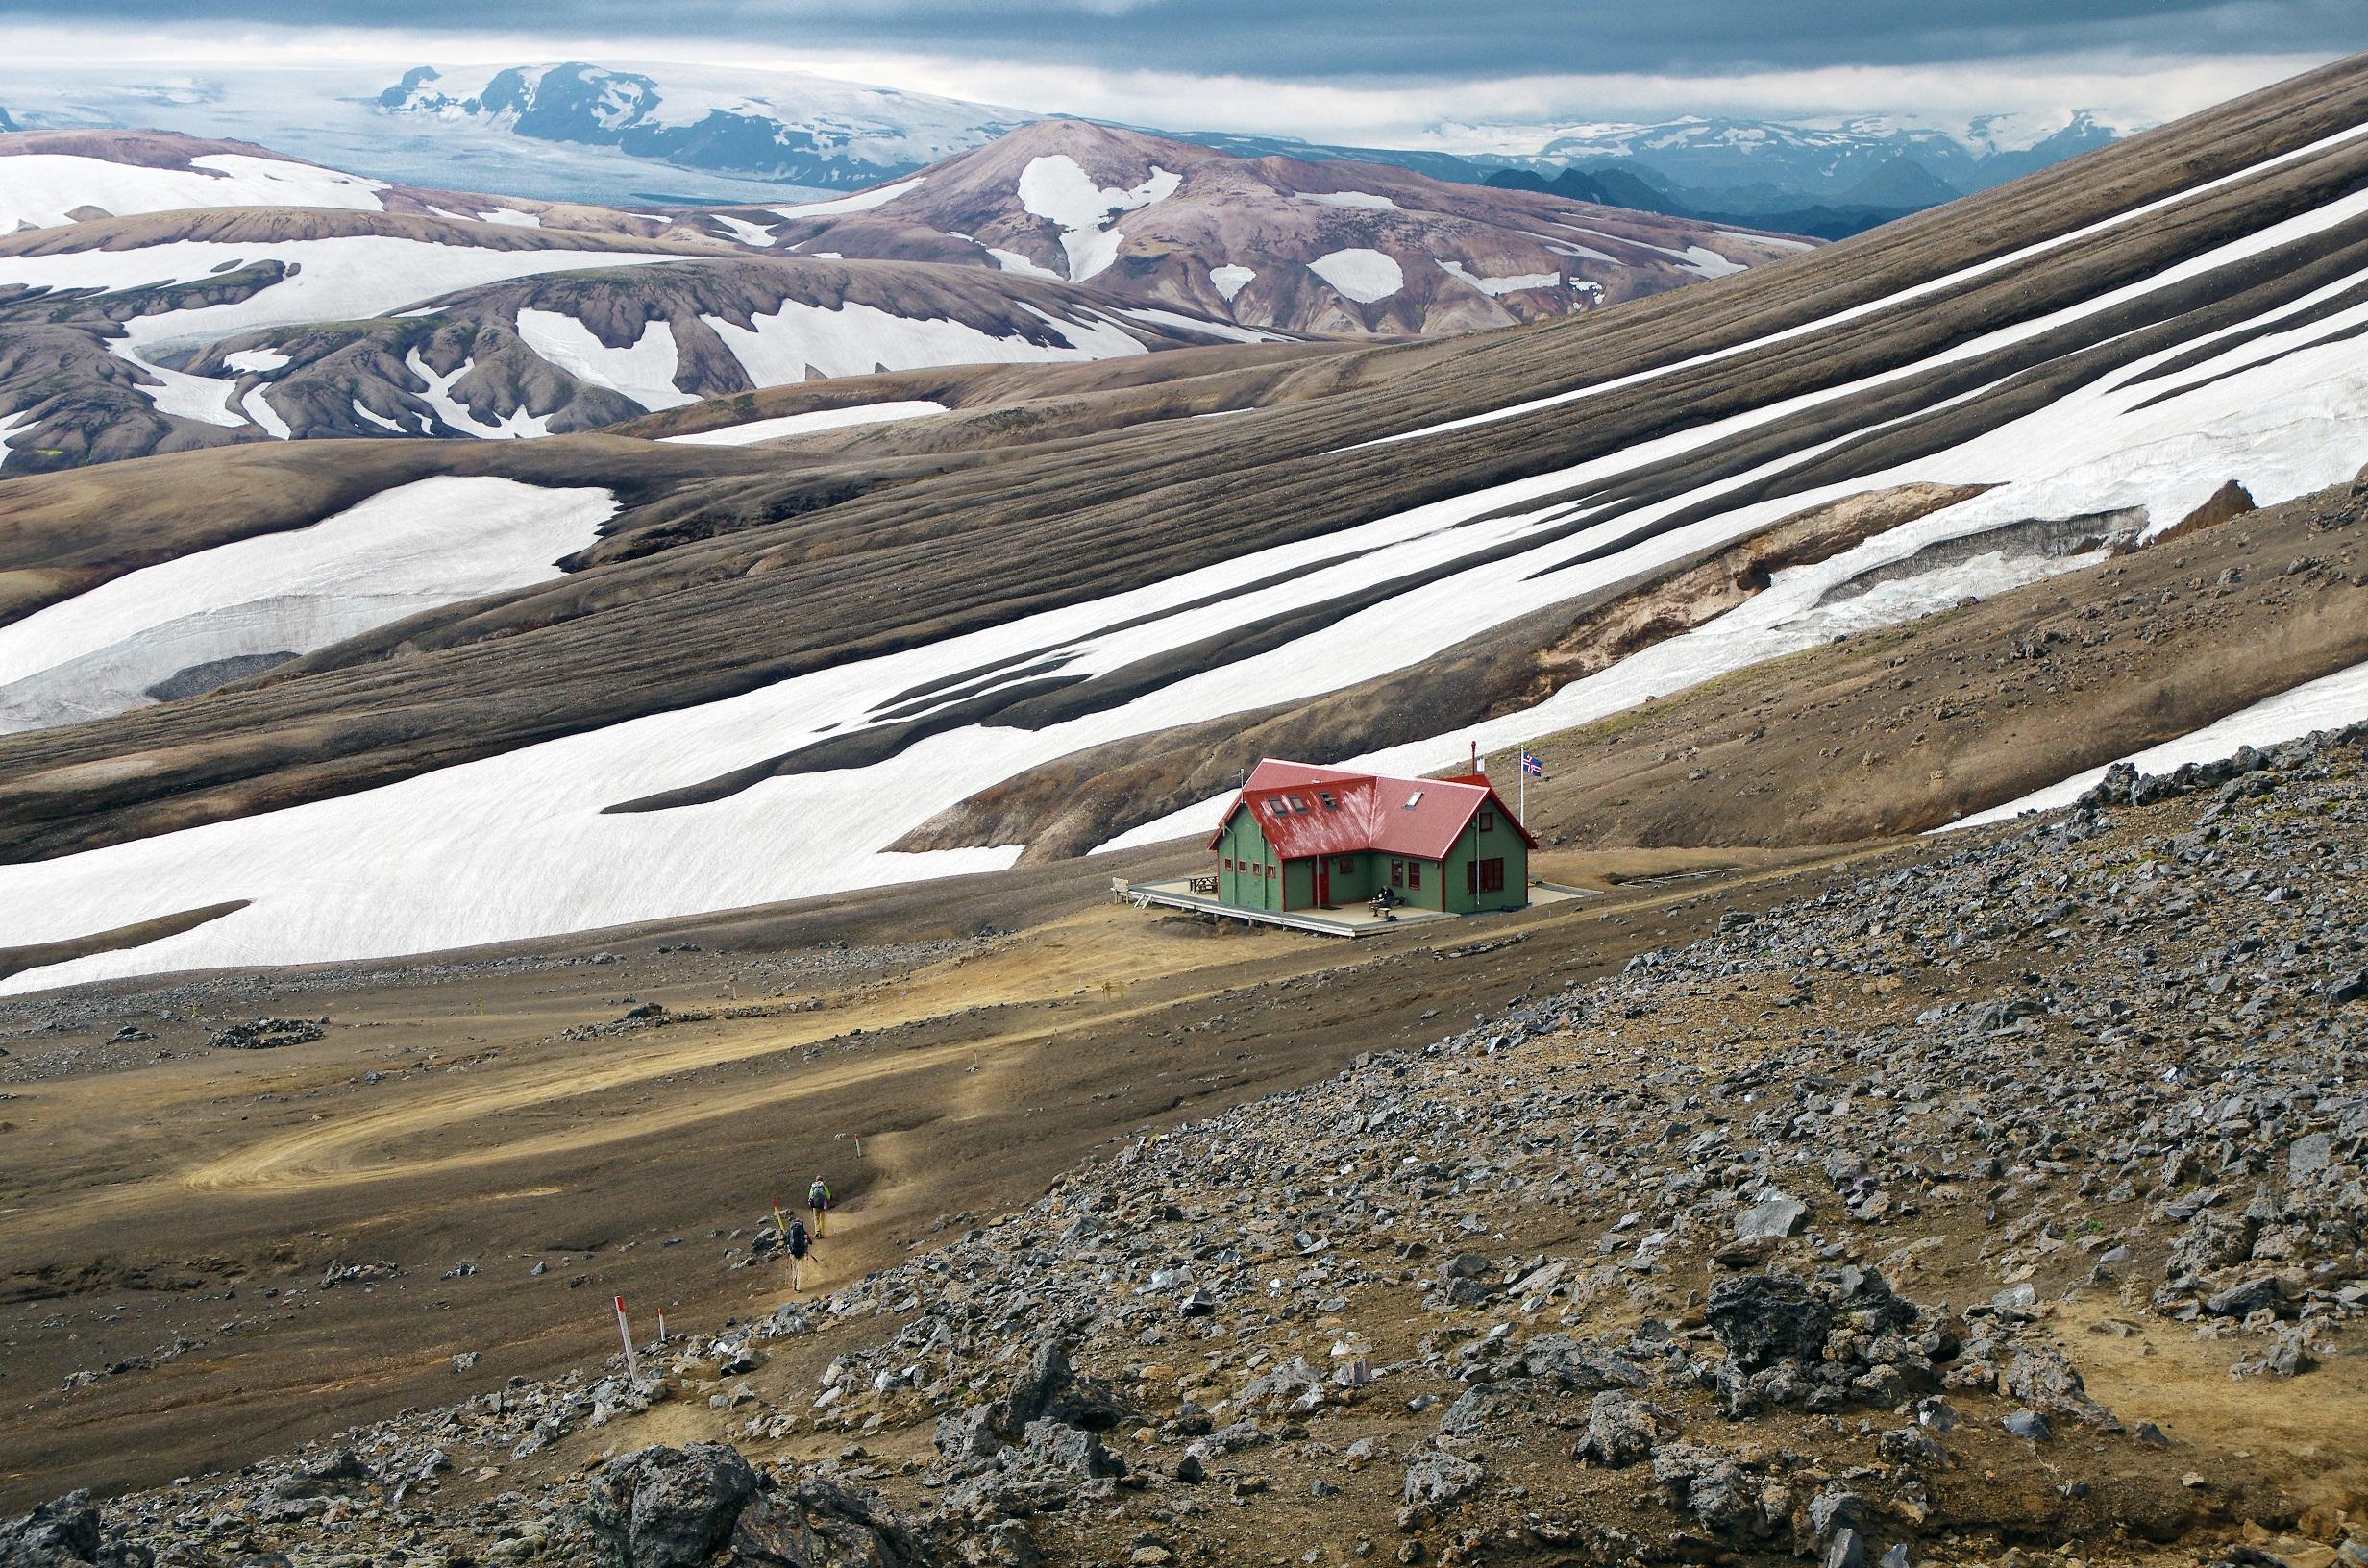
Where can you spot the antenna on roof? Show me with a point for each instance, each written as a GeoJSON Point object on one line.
{"type": "Point", "coordinates": [1240, 776]}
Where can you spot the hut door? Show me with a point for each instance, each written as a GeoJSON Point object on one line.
{"type": "Point", "coordinates": [1324, 884]}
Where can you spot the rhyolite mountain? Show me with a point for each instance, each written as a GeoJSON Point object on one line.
{"type": "Point", "coordinates": [1334, 247]}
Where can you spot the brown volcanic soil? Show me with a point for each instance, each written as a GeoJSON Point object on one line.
{"type": "Point", "coordinates": [198, 1194]}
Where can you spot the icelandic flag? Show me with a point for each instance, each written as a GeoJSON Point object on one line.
{"type": "Point", "coordinates": [1531, 766]}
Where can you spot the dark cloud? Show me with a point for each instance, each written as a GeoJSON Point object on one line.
{"type": "Point", "coordinates": [1359, 39]}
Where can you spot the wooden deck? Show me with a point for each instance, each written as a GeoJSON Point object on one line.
{"type": "Point", "coordinates": [1357, 920]}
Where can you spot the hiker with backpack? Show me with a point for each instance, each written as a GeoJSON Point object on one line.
{"type": "Point", "coordinates": [818, 1203]}
{"type": "Point", "coordinates": [798, 1244]}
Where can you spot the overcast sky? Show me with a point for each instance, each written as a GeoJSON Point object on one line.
{"type": "Point", "coordinates": [1343, 70]}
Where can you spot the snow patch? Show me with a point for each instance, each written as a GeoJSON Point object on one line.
{"type": "Point", "coordinates": [379, 419]}
{"type": "Point", "coordinates": [1054, 188]}
{"type": "Point", "coordinates": [259, 410]}
{"type": "Point", "coordinates": [1207, 329]}
{"type": "Point", "coordinates": [1363, 201]}
{"type": "Point", "coordinates": [1230, 279]}
{"type": "Point", "coordinates": [14, 424]}
{"type": "Point", "coordinates": [2329, 702]}
{"type": "Point", "coordinates": [1362, 275]}
{"type": "Point", "coordinates": [863, 201]}
{"type": "Point", "coordinates": [1513, 284]}
{"type": "Point", "coordinates": [180, 394]}
{"type": "Point", "coordinates": [37, 190]}
{"type": "Point", "coordinates": [259, 361]}
{"type": "Point", "coordinates": [410, 549]}
{"type": "Point", "coordinates": [643, 372]}
{"type": "Point", "coordinates": [742, 229]}
{"type": "Point", "coordinates": [1014, 262]}
{"type": "Point", "coordinates": [821, 419]}
{"type": "Point", "coordinates": [518, 425]}
{"type": "Point", "coordinates": [856, 339]}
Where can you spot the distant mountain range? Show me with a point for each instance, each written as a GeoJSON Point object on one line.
{"type": "Point", "coordinates": [806, 131]}
{"type": "Point", "coordinates": [620, 132]}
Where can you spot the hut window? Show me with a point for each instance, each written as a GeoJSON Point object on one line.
{"type": "Point", "coordinates": [1270, 872]}
{"type": "Point", "coordinates": [1487, 822]}
{"type": "Point", "coordinates": [1397, 874]}
{"type": "Point", "coordinates": [1413, 873]}
{"type": "Point", "coordinates": [1492, 876]}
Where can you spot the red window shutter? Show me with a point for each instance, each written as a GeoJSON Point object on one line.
{"type": "Point", "coordinates": [1471, 876]}
{"type": "Point", "coordinates": [1413, 873]}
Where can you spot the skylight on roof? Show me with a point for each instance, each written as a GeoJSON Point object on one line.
{"type": "Point", "coordinates": [1415, 800]}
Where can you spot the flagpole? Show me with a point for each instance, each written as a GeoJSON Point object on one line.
{"type": "Point", "coordinates": [1521, 811]}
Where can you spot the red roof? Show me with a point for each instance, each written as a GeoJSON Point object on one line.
{"type": "Point", "coordinates": [1306, 810]}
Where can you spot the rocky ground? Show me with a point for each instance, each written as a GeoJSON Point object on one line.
{"type": "Point", "coordinates": [2007, 1205]}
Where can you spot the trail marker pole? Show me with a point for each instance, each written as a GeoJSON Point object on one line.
{"type": "Point", "coordinates": [661, 1328]}
{"type": "Point", "coordinates": [632, 1362]}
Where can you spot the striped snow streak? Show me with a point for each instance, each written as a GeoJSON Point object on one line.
{"type": "Point", "coordinates": [1923, 291]}
{"type": "Point", "coordinates": [518, 844]}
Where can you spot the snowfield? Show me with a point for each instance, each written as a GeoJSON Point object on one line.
{"type": "Point", "coordinates": [517, 845]}
{"type": "Point", "coordinates": [406, 550]}
{"type": "Point", "coordinates": [43, 190]}
{"type": "Point", "coordinates": [1363, 274]}
{"type": "Point", "coordinates": [822, 419]}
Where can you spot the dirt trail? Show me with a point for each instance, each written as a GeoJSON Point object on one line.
{"type": "Point", "coordinates": [1087, 953]}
